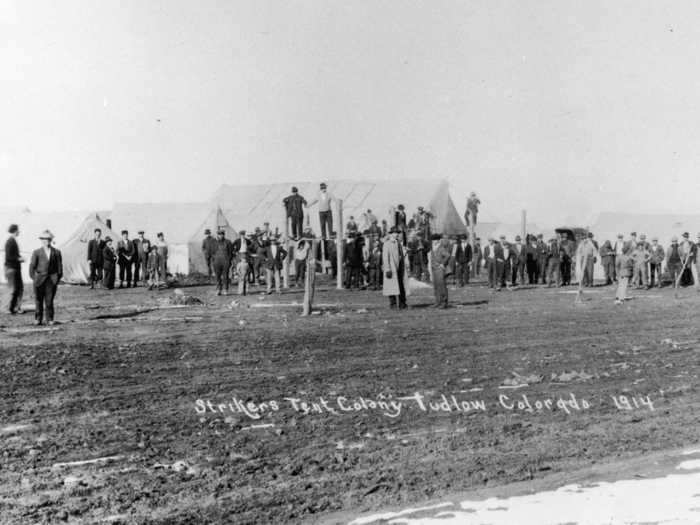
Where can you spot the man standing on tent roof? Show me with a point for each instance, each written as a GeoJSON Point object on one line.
{"type": "Point", "coordinates": [294, 206]}
{"type": "Point", "coordinates": [13, 270]}
{"type": "Point", "coordinates": [46, 270]}
{"type": "Point", "coordinates": [94, 257]}
{"type": "Point", "coordinates": [125, 252]}
{"type": "Point", "coordinates": [325, 212]}
{"type": "Point", "coordinates": [208, 250]}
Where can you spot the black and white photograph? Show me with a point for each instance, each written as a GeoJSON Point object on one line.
{"type": "Point", "coordinates": [356, 262]}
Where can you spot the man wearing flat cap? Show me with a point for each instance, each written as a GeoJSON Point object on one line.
{"type": "Point", "coordinates": [109, 261]}
{"type": "Point", "coordinates": [45, 270]}
{"type": "Point", "coordinates": [208, 251]}
{"type": "Point", "coordinates": [13, 270]}
{"type": "Point", "coordinates": [325, 212]}
{"type": "Point", "coordinates": [294, 206]}
{"type": "Point", "coordinates": [125, 253]}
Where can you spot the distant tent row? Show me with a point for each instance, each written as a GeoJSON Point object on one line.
{"type": "Point", "coordinates": [232, 208]}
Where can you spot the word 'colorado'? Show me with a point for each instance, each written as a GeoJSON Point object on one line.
{"type": "Point", "coordinates": [394, 407]}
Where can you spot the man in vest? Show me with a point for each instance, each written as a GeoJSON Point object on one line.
{"type": "Point", "coordinates": [657, 257]}
{"type": "Point", "coordinates": [325, 212]}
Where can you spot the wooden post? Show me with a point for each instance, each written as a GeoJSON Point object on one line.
{"type": "Point", "coordinates": [523, 225]}
{"type": "Point", "coordinates": [339, 244]}
{"type": "Point", "coordinates": [472, 239]}
{"type": "Point", "coordinates": [310, 281]}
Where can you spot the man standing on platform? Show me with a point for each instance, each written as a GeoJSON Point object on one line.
{"type": "Point", "coordinates": [294, 206]}
{"type": "Point", "coordinates": [473, 203]}
{"type": "Point", "coordinates": [394, 265]}
{"type": "Point", "coordinates": [209, 246]}
{"type": "Point", "coordinates": [325, 213]}
{"type": "Point", "coordinates": [46, 270]}
{"type": "Point", "coordinates": [125, 253]}
{"type": "Point", "coordinates": [13, 270]}
{"type": "Point", "coordinates": [95, 258]}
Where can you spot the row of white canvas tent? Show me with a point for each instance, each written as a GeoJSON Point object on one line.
{"type": "Point", "coordinates": [231, 208]}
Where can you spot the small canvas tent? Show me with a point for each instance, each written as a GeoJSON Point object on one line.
{"type": "Point", "coordinates": [182, 225]}
{"type": "Point", "coordinates": [252, 205]}
{"type": "Point", "coordinates": [76, 269]}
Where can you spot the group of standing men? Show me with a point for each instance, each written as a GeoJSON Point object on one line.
{"type": "Point", "coordinates": [137, 260]}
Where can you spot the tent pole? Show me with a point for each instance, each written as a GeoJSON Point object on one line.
{"type": "Point", "coordinates": [285, 270]}
{"type": "Point", "coordinates": [339, 245]}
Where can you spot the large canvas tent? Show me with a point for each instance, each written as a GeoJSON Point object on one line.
{"type": "Point", "coordinates": [76, 269]}
{"type": "Point", "coordinates": [61, 223]}
{"type": "Point", "coordinates": [182, 225]}
{"type": "Point", "coordinates": [252, 205]}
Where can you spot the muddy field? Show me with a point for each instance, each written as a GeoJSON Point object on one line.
{"type": "Point", "coordinates": [134, 410]}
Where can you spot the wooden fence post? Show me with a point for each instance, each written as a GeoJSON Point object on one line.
{"type": "Point", "coordinates": [310, 281]}
{"type": "Point", "coordinates": [339, 244]}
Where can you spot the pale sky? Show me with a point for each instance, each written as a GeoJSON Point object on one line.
{"type": "Point", "coordinates": [565, 108]}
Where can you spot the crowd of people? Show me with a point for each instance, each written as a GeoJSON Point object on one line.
{"type": "Point", "coordinates": [377, 255]}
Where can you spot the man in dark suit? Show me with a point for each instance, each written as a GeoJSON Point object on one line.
{"type": "Point", "coordinates": [109, 261]}
{"type": "Point", "coordinates": [463, 257]}
{"type": "Point", "coordinates": [95, 258]}
{"type": "Point", "coordinates": [494, 260]}
{"type": "Point", "coordinates": [141, 248]}
{"type": "Point", "coordinates": [126, 254]}
{"type": "Point", "coordinates": [46, 270]}
{"type": "Point", "coordinates": [222, 262]}
{"type": "Point", "coordinates": [13, 270]}
{"type": "Point", "coordinates": [294, 206]}
{"type": "Point", "coordinates": [209, 250]}
{"type": "Point", "coordinates": [274, 262]}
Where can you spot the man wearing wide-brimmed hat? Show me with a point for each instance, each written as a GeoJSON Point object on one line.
{"type": "Point", "coordinates": [209, 250]}
{"type": "Point", "coordinates": [46, 270]}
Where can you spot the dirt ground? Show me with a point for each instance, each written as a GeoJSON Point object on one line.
{"type": "Point", "coordinates": [133, 410]}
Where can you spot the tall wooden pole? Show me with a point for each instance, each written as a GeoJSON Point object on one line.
{"type": "Point", "coordinates": [285, 264]}
{"type": "Point", "coordinates": [472, 239]}
{"type": "Point", "coordinates": [523, 225]}
{"type": "Point", "coordinates": [310, 281]}
{"type": "Point", "coordinates": [339, 245]}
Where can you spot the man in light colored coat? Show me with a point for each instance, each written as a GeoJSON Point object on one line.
{"type": "Point", "coordinates": [395, 267]}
